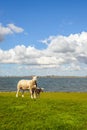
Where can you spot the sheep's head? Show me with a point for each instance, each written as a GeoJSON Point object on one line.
{"type": "Point", "coordinates": [35, 78]}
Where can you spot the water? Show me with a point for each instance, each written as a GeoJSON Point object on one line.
{"type": "Point", "coordinates": [49, 84]}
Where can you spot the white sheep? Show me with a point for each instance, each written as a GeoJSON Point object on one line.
{"type": "Point", "coordinates": [27, 85]}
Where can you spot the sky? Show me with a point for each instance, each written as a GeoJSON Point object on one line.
{"type": "Point", "coordinates": [43, 37]}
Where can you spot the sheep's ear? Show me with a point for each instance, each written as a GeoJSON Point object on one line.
{"type": "Point", "coordinates": [42, 88]}
{"type": "Point", "coordinates": [35, 77]}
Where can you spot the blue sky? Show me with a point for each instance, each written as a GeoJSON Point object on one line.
{"type": "Point", "coordinates": [43, 37]}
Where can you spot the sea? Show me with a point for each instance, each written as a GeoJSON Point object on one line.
{"type": "Point", "coordinates": [50, 84]}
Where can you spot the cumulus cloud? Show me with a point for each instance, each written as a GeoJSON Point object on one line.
{"type": "Point", "coordinates": [63, 52]}
{"type": "Point", "coordinates": [70, 49]}
{"type": "Point", "coordinates": [20, 54]}
{"type": "Point", "coordinates": [8, 30]}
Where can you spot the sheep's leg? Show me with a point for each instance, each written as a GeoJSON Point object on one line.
{"type": "Point", "coordinates": [34, 94]}
{"type": "Point", "coordinates": [17, 93]}
{"type": "Point", "coordinates": [31, 93]}
{"type": "Point", "coordinates": [23, 93]}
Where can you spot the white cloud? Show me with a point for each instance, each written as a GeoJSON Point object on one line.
{"type": "Point", "coordinates": [72, 67]}
{"type": "Point", "coordinates": [64, 53]}
{"type": "Point", "coordinates": [15, 28]}
{"type": "Point", "coordinates": [5, 30]}
{"type": "Point", "coordinates": [47, 40]}
{"type": "Point", "coordinates": [8, 30]}
{"type": "Point", "coordinates": [71, 49]}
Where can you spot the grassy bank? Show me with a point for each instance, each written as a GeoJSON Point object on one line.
{"type": "Point", "coordinates": [52, 111]}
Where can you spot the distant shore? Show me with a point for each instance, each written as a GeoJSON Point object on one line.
{"type": "Point", "coordinates": [48, 76]}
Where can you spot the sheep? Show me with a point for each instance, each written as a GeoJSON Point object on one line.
{"type": "Point", "coordinates": [27, 85]}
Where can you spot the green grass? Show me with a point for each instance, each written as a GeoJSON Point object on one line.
{"type": "Point", "coordinates": [52, 111]}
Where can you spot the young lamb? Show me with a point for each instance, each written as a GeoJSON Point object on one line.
{"type": "Point", "coordinates": [27, 85]}
{"type": "Point", "coordinates": [37, 91]}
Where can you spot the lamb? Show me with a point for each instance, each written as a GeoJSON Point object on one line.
{"type": "Point", "coordinates": [27, 85]}
{"type": "Point", "coordinates": [37, 91]}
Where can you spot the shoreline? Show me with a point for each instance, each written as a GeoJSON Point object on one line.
{"type": "Point", "coordinates": [47, 76]}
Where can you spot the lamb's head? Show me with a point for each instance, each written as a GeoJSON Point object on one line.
{"type": "Point", "coordinates": [34, 78]}
{"type": "Point", "coordinates": [41, 89]}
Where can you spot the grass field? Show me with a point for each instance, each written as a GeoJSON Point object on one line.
{"type": "Point", "coordinates": [52, 111]}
